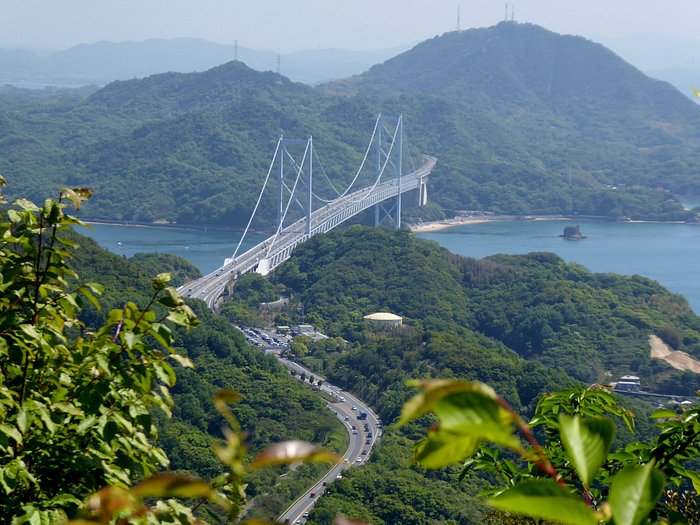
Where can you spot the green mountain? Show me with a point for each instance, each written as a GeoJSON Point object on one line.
{"type": "Point", "coordinates": [521, 105]}
{"type": "Point", "coordinates": [522, 120]}
{"type": "Point", "coordinates": [534, 307]}
{"type": "Point", "coordinates": [274, 406]}
{"type": "Point", "coordinates": [523, 324]}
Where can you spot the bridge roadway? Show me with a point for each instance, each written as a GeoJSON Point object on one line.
{"type": "Point", "coordinates": [210, 287]}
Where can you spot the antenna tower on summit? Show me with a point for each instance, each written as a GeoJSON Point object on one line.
{"type": "Point", "coordinates": [512, 13]}
{"type": "Point", "coordinates": [505, 19]}
{"type": "Point", "coordinates": [458, 24]}
{"type": "Point", "coordinates": [235, 50]}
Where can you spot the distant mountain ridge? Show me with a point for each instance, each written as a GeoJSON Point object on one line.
{"type": "Point", "coordinates": [562, 105]}
{"type": "Point", "coordinates": [523, 121]}
{"type": "Point", "coordinates": [104, 62]}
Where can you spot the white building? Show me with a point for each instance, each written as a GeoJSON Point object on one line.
{"type": "Point", "coordinates": [384, 320]}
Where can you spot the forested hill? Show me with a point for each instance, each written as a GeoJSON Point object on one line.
{"type": "Point", "coordinates": [518, 323]}
{"type": "Point", "coordinates": [562, 105]}
{"type": "Point", "coordinates": [521, 119]}
{"type": "Point", "coordinates": [536, 306]}
{"type": "Point", "coordinates": [274, 406]}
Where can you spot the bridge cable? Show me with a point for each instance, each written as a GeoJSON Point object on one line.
{"type": "Point", "coordinates": [362, 165]}
{"type": "Point", "coordinates": [381, 172]}
{"type": "Point", "coordinates": [284, 215]}
{"type": "Point", "coordinates": [298, 167]}
{"type": "Point", "coordinates": [267, 177]}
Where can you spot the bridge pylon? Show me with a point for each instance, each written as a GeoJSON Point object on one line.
{"type": "Point", "coordinates": [388, 142]}
{"type": "Point", "coordinates": [307, 161]}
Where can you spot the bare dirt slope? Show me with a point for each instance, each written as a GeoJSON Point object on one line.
{"type": "Point", "coordinates": [675, 358]}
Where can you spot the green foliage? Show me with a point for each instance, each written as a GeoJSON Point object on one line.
{"type": "Point", "coordinates": [75, 405]}
{"type": "Point", "coordinates": [78, 403]}
{"type": "Point", "coordinates": [547, 487]}
{"type": "Point", "coordinates": [511, 321]}
{"type": "Point", "coordinates": [512, 109]}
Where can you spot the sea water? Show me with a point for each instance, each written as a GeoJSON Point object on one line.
{"type": "Point", "coordinates": [668, 253]}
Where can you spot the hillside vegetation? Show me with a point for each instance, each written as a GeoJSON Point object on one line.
{"type": "Point", "coordinates": [274, 407]}
{"type": "Point", "coordinates": [536, 306]}
{"type": "Point", "coordinates": [521, 119]}
{"type": "Point", "coordinates": [524, 324]}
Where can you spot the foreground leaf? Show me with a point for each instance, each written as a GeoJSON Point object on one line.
{"type": "Point", "coordinates": [543, 498]}
{"type": "Point", "coordinates": [293, 452]}
{"type": "Point", "coordinates": [587, 442]}
{"type": "Point", "coordinates": [175, 486]}
{"type": "Point", "coordinates": [436, 389]}
{"type": "Point", "coordinates": [475, 414]}
{"type": "Point", "coordinates": [634, 492]}
{"type": "Point", "coordinates": [440, 449]}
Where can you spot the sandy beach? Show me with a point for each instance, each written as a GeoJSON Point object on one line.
{"type": "Point", "coordinates": [425, 227]}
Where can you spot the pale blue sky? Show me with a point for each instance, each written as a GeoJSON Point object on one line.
{"type": "Point", "coordinates": [290, 25]}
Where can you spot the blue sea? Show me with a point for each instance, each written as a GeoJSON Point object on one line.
{"type": "Point", "coordinates": [668, 253]}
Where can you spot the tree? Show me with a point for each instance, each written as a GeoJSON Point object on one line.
{"type": "Point", "coordinates": [574, 478]}
{"type": "Point", "coordinates": [76, 401]}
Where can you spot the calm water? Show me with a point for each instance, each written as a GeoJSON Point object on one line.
{"type": "Point", "coordinates": [668, 253]}
{"type": "Point", "coordinates": [205, 249]}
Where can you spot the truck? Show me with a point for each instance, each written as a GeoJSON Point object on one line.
{"type": "Point", "coordinates": [362, 414]}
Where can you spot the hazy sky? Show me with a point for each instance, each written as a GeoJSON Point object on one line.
{"type": "Point", "coordinates": [290, 25]}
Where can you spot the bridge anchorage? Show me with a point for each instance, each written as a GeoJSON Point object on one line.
{"type": "Point", "coordinates": [305, 202]}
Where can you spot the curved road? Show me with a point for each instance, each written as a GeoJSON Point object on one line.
{"type": "Point", "coordinates": [360, 441]}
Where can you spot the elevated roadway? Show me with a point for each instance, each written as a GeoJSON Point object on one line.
{"type": "Point", "coordinates": [276, 249]}
{"type": "Point", "coordinates": [359, 446]}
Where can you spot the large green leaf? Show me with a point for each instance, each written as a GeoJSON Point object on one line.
{"type": "Point", "coordinates": [543, 498]}
{"type": "Point", "coordinates": [440, 449]}
{"type": "Point", "coordinates": [475, 414]}
{"type": "Point", "coordinates": [433, 391]}
{"type": "Point", "coordinates": [587, 442]}
{"type": "Point", "coordinates": [634, 492]}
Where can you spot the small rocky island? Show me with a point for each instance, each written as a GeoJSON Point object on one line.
{"type": "Point", "coordinates": [573, 233]}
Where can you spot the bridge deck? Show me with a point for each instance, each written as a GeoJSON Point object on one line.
{"type": "Point", "coordinates": [270, 253]}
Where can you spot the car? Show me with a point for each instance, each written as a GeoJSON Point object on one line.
{"type": "Point", "coordinates": [359, 459]}
{"type": "Point", "coordinates": [354, 432]}
{"type": "Point", "coordinates": [364, 452]}
{"type": "Point", "coordinates": [369, 434]}
{"type": "Point", "coordinates": [347, 418]}
{"type": "Point", "coordinates": [297, 522]}
{"type": "Point", "coordinates": [339, 476]}
{"type": "Point", "coordinates": [312, 495]}
{"type": "Point", "coordinates": [306, 514]}
{"type": "Point", "coordinates": [353, 407]}
{"type": "Point", "coordinates": [368, 442]}
{"type": "Point", "coordinates": [325, 483]}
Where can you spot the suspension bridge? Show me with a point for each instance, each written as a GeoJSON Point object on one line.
{"type": "Point", "coordinates": [301, 212]}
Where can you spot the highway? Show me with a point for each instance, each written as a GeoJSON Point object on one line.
{"type": "Point", "coordinates": [359, 448]}
{"type": "Point", "coordinates": [346, 407]}
{"type": "Point", "coordinates": [270, 253]}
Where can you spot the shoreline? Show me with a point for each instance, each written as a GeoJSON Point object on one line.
{"type": "Point", "coordinates": [436, 226]}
